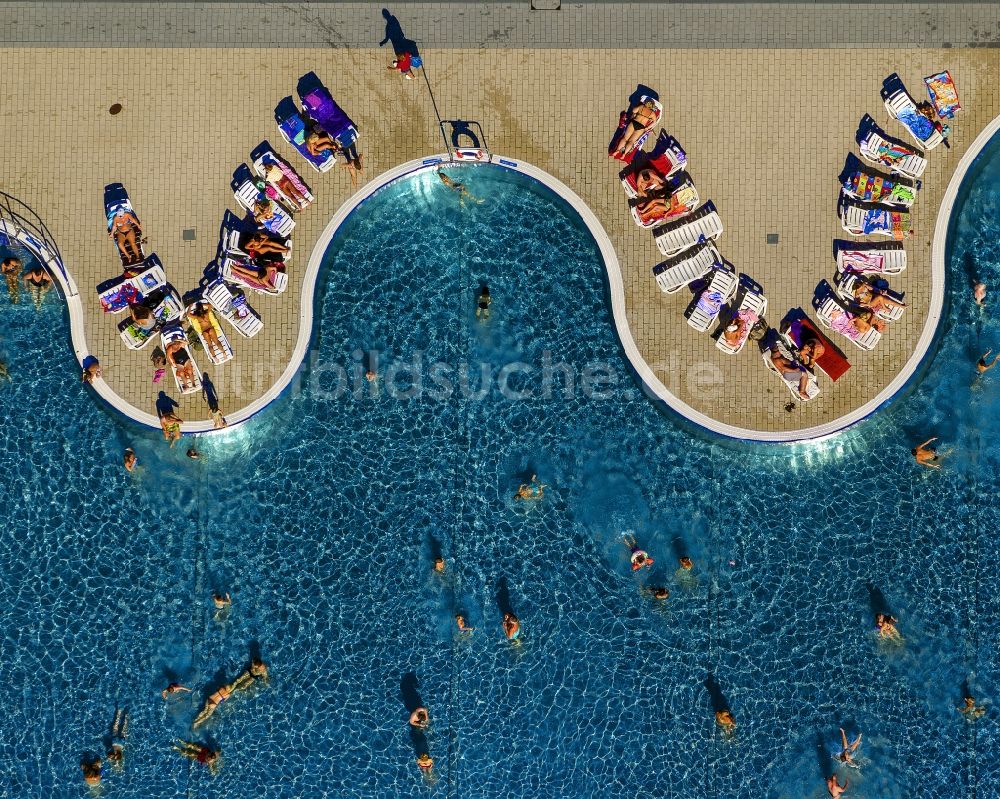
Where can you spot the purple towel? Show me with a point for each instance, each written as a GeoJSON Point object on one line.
{"type": "Point", "coordinates": [330, 116]}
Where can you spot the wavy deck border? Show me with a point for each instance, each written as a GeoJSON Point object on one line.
{"type": "Point", "coordinates": [618, 312]}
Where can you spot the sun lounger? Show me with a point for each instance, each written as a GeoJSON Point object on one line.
{"type": "Point", "coordinates": [900, 105]}
{"type": "Point", "coordinates": [117, 294]}
{"type": "Point", "coordinates": [319, 104]}
{"type": "Point", "coordinates": [294, 129]}
{"type": "Point", "coordinates": [868, 185]}
{"type": "Point", "coordinates": [848, 284]}
{"type": "Point", "coordinates": [888, 259]}
{"type": "Point", "coordinates": [666, 158]}
{"type": "Point", "coordinates": [677, 236]}
{"type": "Point", "coordinates": [265, 158]}
{"type": "Point", "coordinates": [675, 273]}
{"type": "Point", "coordinates": [860, 219]}
{"type": "Point", "coordinates": [680, 200]}
{"type": "Point", "coordinates": [624, 124]}
{"type": "Point", "coordinates": [279, 284]}
{"type": "Point", "coordinates": [790, 380]}
{"type": "Point", "coordinates": [216, 354]}
{"type": "Point", "coordinates": [752, 309]}
{"type": "Point", "coordinates": [170, 335]}
{"type": "Point", "coordinates": [116, 201]}
{"type": "Point", "coordinates": [943, 94]}
{"type": "Point", "coordinates": [878, 149]}
{"type": "Point", "coordinates": [166, 308]}
{"type": "Point", "coordinates": [720, 290]}
{"type": "Point", "coordinates": [834, 316]}
{"type": "Point", "coordinates": [246, 193]}
{"type": "Point", "coordinates": [234, 308]}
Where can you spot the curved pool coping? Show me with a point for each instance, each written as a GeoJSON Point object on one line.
{"type": "Point", "coordinates": [618, 311]}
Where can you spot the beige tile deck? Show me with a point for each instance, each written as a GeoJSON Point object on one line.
{"type": "Point", "coordinates": [766, 131]}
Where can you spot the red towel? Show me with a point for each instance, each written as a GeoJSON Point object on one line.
{"type": "Point", "coordinates": [832, 362]}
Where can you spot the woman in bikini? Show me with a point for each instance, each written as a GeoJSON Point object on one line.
{"type": "Point", "coordinates": [203, 313]}
{"type": "Point", "coordinates": [123, 227]}
{"type": "Point", "coordinates": [171, 423]}
{"type": "Point", "coordinates": [199, 753]}
{"type": "Point", "coordinates": [640, 119]}
{"type": "Point", "coordinates": [180, 359]}
{"type": "Point", "coordinates": [791, 371]}
{"type": "Point", "coordinates": [212, 704]}
{"type": "Point", "coordinates": [867, 296]}
{"type": "Point", "coordinates": [38, 283]}
{"type": "Point", "coordinates": [274, 175]}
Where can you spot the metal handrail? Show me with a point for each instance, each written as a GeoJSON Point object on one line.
{"type": "Point", "coordinates": [25, 219]}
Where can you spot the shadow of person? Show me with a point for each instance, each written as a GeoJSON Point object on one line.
{"type": "Point", "coordinates": [409, 692]}
{"type": "Point", "coordinates": [715, 695]}
{"type": "Point", "coordinates": [462, 127]}
{"type": "Point", "coordinates": [394, 33]}
{"type": "Point", "coordinates": [164, 404]}
{"type": "Point", "coordinates": [877, 602]}
{"type": "Point", "coordinates": [208, 389]}
{"type": "Point", "coordinates": [419, 740]}
{"type": "Point", "coordinates": [823, 757]}
{"type": "Point", "coordinates": [503, 597]}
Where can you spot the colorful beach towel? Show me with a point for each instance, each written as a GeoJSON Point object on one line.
{"type": "Point", "coordinates": [892, 154]}
{"type": "Point", "coordinates": [710, 302]}
{"type": "Point", "coordinates": [863, 262]}
{"type": "Point", "coordinates": [872, 188]}
{"type": "Point", "coordinates": [943, 94]}
{"type": "Point", "coordinates": [919, 125]}
{"type": "Point", "coordinates": [880, 220]}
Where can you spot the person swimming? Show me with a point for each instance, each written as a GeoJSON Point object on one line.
{"type": "Point", "coordinates": [639, 558]}
{"type": "Point", "coordinates": [511, 626]}
{"type": "Point", "coordinates": [531, 490]}
{"type": "Point", "coordinates": [970, 709]}
{"type": "Point", "coordinates": [425, 762]}
{"type": "Point", "coordinates": [724, 718]}
{"type": "Point", "coordinates": [91, 771]}
{"type": "Point", "coordinates": [462, 626]}
{"type": "Point", "coordinates": [926, 456]}
{"type": "Point", "coordinates": [453, 184]}
{"type": "Point", "coordinates": [885, 626]}
{"type": "Point", "coordinates": [835, 788]}
{"type": "Point", "coordinates": [130, 460]}
{"type": "Point", "coordinates": [216, 698]}
{"type": "Point", "coordinates": [847, 749]}
{"type": "Point", "coordinates": [484, 302]}
{"type": "Point", "coordinates": [117, 734]}
{"type": "Point", "coordinates": [982, 365]}
{"type": "Point", "coordinates": [420, 718]}
{"type": "Point", "coordinates": [199, 753]}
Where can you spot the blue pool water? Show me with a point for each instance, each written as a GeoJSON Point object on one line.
{"type": "Point", "coordinates": [321, 518]}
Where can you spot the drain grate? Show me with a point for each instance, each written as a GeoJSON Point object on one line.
{"type": "Point", "coordinates": [772, 238]}
{"type": "Point", "coordinates": [187, 234]}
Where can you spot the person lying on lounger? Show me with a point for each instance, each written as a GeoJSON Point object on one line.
{"type": "Point", "coordinates": [867, 296]}
{"type": "Point", "coordinates": [178, 356]}
{"type": "Point", "coordinates": [274, 175]}
{"type": "Point", "coordinates": [640, 119]}
{"type": "Point", "coordinates": [648, 181]}
{"type": "Point", "coordinates": [736, 330]}
{"type": "Point", "coordinates": [791, 371]}
{"type": "Point", "coordinates": [142, 317]}
{"type": "Point", "coordinates": [865, 319]}
{"type": "Point", "coordinates": [264, 275]}
{"type": "Point", "coordinates": [263, 248]}
{"type": "Point", "coordinates": [810, 351]}
{"type": "Point", "coordinates": [203, 313]}
{"type": "Point", "coordinates": [263, 210]}
{"type": "Point", "coordinates": [124, 228]}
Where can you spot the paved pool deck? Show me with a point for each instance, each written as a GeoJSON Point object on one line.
{"type": "Point", "coordinates": [766, 108]}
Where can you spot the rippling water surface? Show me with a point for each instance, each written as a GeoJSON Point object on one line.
{"type": "Point", "coordinates": [322, 516]}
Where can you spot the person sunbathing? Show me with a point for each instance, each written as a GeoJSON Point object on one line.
{"type": "Point", "coordinates": [212, 703]}
{"type": "Point", "coordinates": [263, 276]}
{"type": "Point", "coordinates": [655, 209]}
{"type": "Point", "coordinates": [142, 317]}
{"type": "Point", "coordinates": [180, 359]}
{"type": "Point", "coordinates": [274, 175]}
{"type": "Point", "coordinates": [791, 372]}
{"type": "Point", "coordinates": [124, 228]}
{"type": "Point", "coordinates": [867, 296]}
{"type": "Point", "coordinates": [648, 181]}
{"type": "Point", "coordinates": [736, 330]}
{"type": "Point", "coordinates": [640, 118]}
{"type": "Point", "coordinates": [865, 319]}
{"type": "Point", "coordinates": [259, 244]}
{"type": "Point", "coordinates": [810, 351]}
{"type": "Point", "coordinates": [319, 141]}
{"type": "Point", "coordinates": [202, 312]}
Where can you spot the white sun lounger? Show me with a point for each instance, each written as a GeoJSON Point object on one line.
{"type": "Point", "coordinates": [262, 157]}
{"type": "Point", "coordinates": [217, 355]}
{"type": "Point", "coordinates": [884, 260]}
{"type": "Point", "coordinates": [168, 309]}
{"type": "Point", "coordinates": [846, 287]}
{"type": "Point", "coordinates": [281, 223]}
{"type": "Point", "coordinates": [854, 218]}
{"type": "Point", "coordinates": [752, 308]}
{"type": "Point", "coordinates": [900, 104]}
{"type": "Point", "coordinates": [226, 269]}
{"type": "Point", "coordinates": [234, 308]}
{"type": "Point", "coordinates": [702, 225]}
{"type": "Point", "coordinates": [877, 150]}
{"type": "Point", "coordinates": [686, 197]}
{"type": "Point", "coordinates": [675, 273]}
{"type": "Point", "coordinates": [170, 335]}
{"type": "Point", "coordinates": [792, 384]}
{"type": "Point", "coordinates": [142, 285]}
{"type": "Point", "coordinates": [833, 315]}
{"type": "Point", "coordinates": [720, 290]}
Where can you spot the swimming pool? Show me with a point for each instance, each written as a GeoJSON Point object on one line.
{"type": "Point", "coordinates": [323, 514]}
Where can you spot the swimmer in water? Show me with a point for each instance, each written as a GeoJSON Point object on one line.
{"type": "Point", "coordinates": [885, 625]}
{"type": "Point", "coordinates": [979, 294]}
{"type": "Point", "coordinates": [660, 593]}
{"type": "Point", "coordinates": [425, 762]}
{"type": "Point", "coordinates": [925, 455]}
{"type": "Point", "coordinates": [91, 771]}
{"type": "Point", "coordinates": [193, 454]}
{"type": "Point", "coordinates": [420, 718]}
{"type": "Point", "coordinates": [835, 788]}
{"type": "Point", "coordinates": [970, 709]}
{"type": "Point", "coordinates": [639, 557]}
{"type": "Point", "coordinates": [199, 753]}
{"type": "Point", "coordinates": [453, 184]}
{"type": "Point", "coordinates": [462, 626]}
{"type": "Point", "coordinates": [724, 718]}
{"type": "Point", "coordinates": [439, 565]}
{"type": "Point", "coordinates": [118, 732]}
{"type": "Point", "coordinates": [531, 490]}
{"type": "Point", "coordinates": [221, 601]}
{"type": "Point", "coordinates": [982, 365]}
{"type": "Point", "coordinates": [484, 302]}
{"type": "Point", "coordinates": [173, 688]}
{"type": "Point", "coordinates": [511, 626]}
{"type": "Point", "coordinates": [215, 699]}
{"type": "Point", "coordinates": [130, 459]}
{"type": "Point", "coordinates": [91, 371]}
{"type": "Point", "coordinates": [4, 372]}
{"type": "Point", "coordinates": [847, 749]}
{"type": "Point", "coordinates": [686, 563]}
